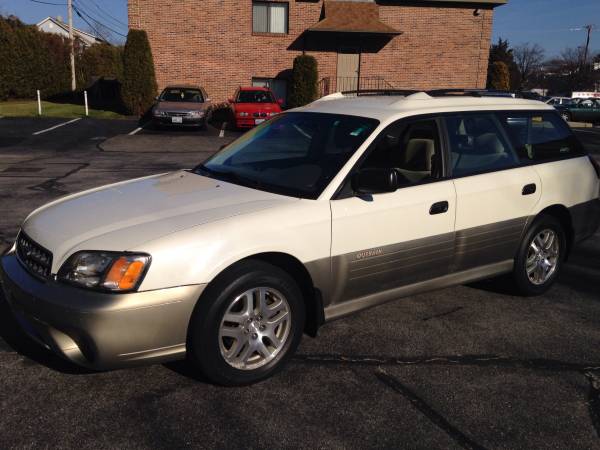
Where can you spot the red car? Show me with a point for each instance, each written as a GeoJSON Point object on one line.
{"type": "Point", "coordinates": [253, 105]}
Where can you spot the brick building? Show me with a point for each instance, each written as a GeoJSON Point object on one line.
{"type": "Point", "coordinates": [402, 44]}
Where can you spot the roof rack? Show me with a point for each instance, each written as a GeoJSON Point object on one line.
{"type": "Point", "coordinates": [360, 92]}
{"type": "Point", "coordinates": [431, 93]}
{"type": "Point", "coordinates": [469, 93]}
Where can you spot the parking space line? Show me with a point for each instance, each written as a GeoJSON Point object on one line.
{"type": "Point", "coordinates": [137, 130]}
{"type": "Point", "coordinates": [56, 126]}
{"type": "Point", "coordinates": [222, 132]}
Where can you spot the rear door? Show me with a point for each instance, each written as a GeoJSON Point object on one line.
{"type": "Point", "coordinates": [384, 241]}
{"type": "Point", "coordinates": [495, 194]}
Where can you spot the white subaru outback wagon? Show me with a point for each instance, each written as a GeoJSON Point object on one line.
{"type": "Point", "coordinates": [322, 211]}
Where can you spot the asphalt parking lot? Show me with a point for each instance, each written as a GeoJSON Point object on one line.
{"type": "Point", "coordinates": [467, 367]}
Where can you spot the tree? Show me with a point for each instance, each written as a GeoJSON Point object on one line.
{"type": "Point", "coordinates": [567, 73]}
{"type": "Point", "coordinates": [501, 52]}
{"type": "Point", "coordinates": [528, 59]}
{"type": "Point", "coordinates": [499, 77]}
{"type": "Point", "coordinates": [304, 88]}
{"type": "Point", "coordinates": [139, 80]}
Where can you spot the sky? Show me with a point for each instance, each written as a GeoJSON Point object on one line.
{"type": "Point", "coordinates": [550, 23]}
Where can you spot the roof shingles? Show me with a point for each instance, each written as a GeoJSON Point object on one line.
{"type": "Point", "coordinates": [352, 17]}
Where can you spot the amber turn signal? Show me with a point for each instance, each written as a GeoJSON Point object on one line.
{"type": "Point", "coordinates": [124, 273]}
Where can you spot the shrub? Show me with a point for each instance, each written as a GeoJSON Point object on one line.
{"type": "Point", "coordinates": [99, 61]}
{"type": "Point", "coordinates": [139, 87]}
{"type": "Point", "coordinates": [31, 60]}
{"type": "Point", "coordinates": [305, 76]}
{"type": "Point", "coordinates": [499, 76]}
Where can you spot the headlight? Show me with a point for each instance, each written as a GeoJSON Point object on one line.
{"type": "Point", "coordinates": [271, 114]}
{"type": "Point", "coordinates": [243, 114]}
{"type": "Point", "coordinates": [105, 270]}
{"type": "Point", "coordinates": [159, 113]}
{"type": "Point", "coordinates": [196, 113]}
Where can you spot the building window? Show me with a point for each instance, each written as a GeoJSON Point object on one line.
{"type": "Point", "coordinates": [269, 17]}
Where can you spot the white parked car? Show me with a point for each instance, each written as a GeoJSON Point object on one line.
{"type": "Point", "coordinates": [563, 101]}
{"type": "Point", "coordinates": [320, 212]}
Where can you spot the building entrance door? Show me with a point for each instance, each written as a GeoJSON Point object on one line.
{"type": "Point", "coordinates": [348, 69]}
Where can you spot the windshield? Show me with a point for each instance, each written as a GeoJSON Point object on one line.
{"type": "Point", "coordinates": [255, 97]}
{"type": "Point", "coordinates": [182, 95]}
{"type": "Point", "coordinates": [295, 154]}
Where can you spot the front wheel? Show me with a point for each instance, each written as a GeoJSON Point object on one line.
{"type": "Point", "coordinates": [247, 324]}
{"type": "Point", "coordinates": [566, 116]}
{"type": "Point", "coordinates": [540, 256]}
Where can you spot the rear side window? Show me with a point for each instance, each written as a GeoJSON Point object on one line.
{"type": "Point", "coordinates": [540, 136]}
{"type": "Point", "coordinates": [478, 144]}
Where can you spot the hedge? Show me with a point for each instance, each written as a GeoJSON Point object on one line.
{"type": "Point", "coordinates": [31, 60]}
{"type": "Point", "coordinates": [139, 87]}
{"type": "Point", "coordinates": [304, 87]}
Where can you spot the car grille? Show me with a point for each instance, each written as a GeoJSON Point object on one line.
{"type": "Point", "coordinates": [34, 257]}
{"type": "Point", "coordinates": [177, 114]}
{"type": "Point", "coordinates": [260, 114]}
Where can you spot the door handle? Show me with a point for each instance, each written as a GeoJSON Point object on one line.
{"type": "Point", "coordinates": [439, 208]}
{"type": "Point", "coordinates": [529, 189]}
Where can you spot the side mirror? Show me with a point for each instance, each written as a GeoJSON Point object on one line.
{"type": "Point", "coordinates": [375, 181]}
{"type": "Point", "coordinates": [230, 100]}
{"type": "Point", "coordinates": [280, 101]}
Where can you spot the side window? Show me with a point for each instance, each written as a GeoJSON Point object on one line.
{"type": "Point", "coordinates": [477, 144]}
{"type": "Point", "coordinates": [413, 149]}
{"type": "Point", "coordinates": [540, 136]}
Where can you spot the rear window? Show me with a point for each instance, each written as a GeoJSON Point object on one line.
{"type": "Point", "coordinates": [255, 97]}
{"type": "Point", "coordinates": [540, 136]}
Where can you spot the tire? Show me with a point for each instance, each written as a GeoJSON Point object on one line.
{"type": "Point", "coordinates": [543, 268]}
{"type": "Point", "coordinates": [252, 355]}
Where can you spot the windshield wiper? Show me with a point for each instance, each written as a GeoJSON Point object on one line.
{"type": "Point", "coordinates": [228, 175]}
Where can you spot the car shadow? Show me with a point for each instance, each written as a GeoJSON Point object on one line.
{"type": "Point", "coordinates": [15, 338]}
{"type": "Point", "coordinates": [580, 273]}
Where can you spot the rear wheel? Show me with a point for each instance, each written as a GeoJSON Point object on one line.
{"type": "Point", "coordinates": [247, 324]}
{"type": "Point", "coordinates": [566, 116]}
{"type": "Point", "coordinates": [540, 256]}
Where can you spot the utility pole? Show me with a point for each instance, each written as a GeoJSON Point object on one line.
{"type": "Point", "coordinates": [72, 44]}
{"type": "Point", "coordinates": [589, 29]}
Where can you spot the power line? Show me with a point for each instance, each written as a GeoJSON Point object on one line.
{"type": "Point", "coordinates": [79, 12]}
{"type": "Point", "coordinates": [89, 24]}
{"type": "Point", "coordinates": [48, 3]}
{"type": "Point", "coordinates": [105, 14]}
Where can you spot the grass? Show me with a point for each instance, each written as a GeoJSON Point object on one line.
{"type": "Point", "coordinates": [29, 108]}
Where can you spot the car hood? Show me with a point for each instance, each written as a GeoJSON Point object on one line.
{"type": "Point", "coordinates": [181, 106]}
{"type": "Point", "coordinates": [254, 107]}
{"type": "Point", "coordinates": [123, 216]}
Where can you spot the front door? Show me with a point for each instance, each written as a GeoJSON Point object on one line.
{"type": "Point", "coordinates": [347, 70]}
{"type": "Point", "coordinates": [386, 241]}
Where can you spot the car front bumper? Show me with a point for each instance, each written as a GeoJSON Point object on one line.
{"type": "Point", "coordinates": [100, 330]}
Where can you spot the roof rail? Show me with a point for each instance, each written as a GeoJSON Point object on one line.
{"type": "Point", "coordinates": [360, 92]}
{"type": "Point", "coordinates": [469, 93]}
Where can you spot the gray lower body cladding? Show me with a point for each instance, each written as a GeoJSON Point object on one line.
{"type": "Point", "coordinates": [100, 330]}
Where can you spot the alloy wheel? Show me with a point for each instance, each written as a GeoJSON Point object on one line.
{"type": "Point", "coordinates": [542, 257]}
{"type": "Point", "coordinates": [255, 328]}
